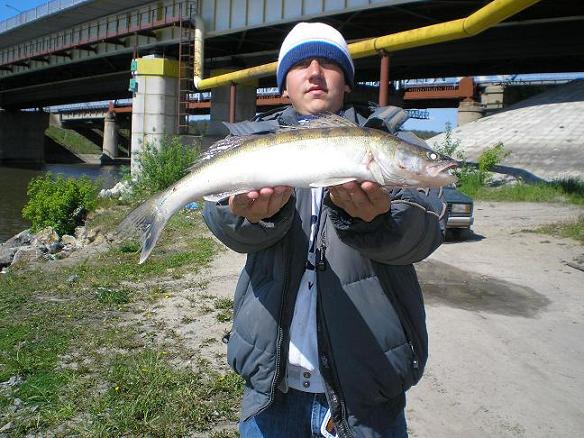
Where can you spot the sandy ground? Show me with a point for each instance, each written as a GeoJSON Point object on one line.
{"type": "Point", "coordinates": [506, 324]}
{"type": "Point", "coordinates": [505, 317]}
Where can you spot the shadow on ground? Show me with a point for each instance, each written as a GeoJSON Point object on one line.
{"type": "Point", "coordinates": [447, 285]}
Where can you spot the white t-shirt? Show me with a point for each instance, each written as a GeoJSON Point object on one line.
{"type": "Point", "coordinates": [302, 371]}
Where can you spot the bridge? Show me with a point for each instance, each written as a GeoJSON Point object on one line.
{"type": "Point", "coordinates": [81, 50]}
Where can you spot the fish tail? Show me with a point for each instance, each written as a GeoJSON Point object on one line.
{"type": "Point", "coordinates": [147, 220]}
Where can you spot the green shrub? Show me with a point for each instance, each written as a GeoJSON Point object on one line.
{"type": "Point", "coordinates": [59, 202]}
{"type": "Point", "coordinates": [492, 156]}
{"type": "Point", "coordinates": [162, 166]}
{"type": "Point", "coordinates": [471, 177]}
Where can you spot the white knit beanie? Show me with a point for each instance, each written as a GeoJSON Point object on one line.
{"type": "Point", "coordinates": [314, 40]}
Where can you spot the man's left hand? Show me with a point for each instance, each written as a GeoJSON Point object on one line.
{"type": "Point", "coordinates": [364, 200]}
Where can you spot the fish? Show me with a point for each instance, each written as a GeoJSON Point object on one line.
{"type": "Point", "coordinates": [326, 151]}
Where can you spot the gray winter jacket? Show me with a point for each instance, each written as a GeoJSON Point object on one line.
{"type": "Point", "coordinates": [370, 320]}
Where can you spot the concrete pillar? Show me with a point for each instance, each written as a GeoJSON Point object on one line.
{"type": "Point", "coordinates": [22, 136]}
{"type": "Point", "coordinates": [492, 98]}
{"type": "Point", "coordinates": [110, 136]}
{"type": "Point", "coordinates": [469, 111]}
{"type": "Point", "coordinates": [245, 105]}
{"type": "Point", "coordinates": [154, 107]}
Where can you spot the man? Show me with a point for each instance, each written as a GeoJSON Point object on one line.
{"type": "Point", "coordinates": [329, 325]}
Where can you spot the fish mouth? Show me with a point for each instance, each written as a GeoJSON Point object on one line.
{"type": "Point", "coordinates": [442, 168]}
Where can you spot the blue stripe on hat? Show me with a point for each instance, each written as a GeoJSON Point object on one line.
{"type": "Point", "coordinates": [315, 49]}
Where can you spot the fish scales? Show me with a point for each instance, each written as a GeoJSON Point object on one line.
{"type": "Point", "coordinates": [326, 152]}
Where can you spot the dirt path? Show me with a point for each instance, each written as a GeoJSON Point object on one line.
{"type": "Point", "coordinates": [505, 316]}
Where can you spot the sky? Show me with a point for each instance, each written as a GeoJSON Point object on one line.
{"type": "Point", "coordinates": [8, 8]}
{"type": "Point", "coordinates": [438, 117]}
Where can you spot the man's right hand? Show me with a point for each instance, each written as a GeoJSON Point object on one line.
{"type": "Point", "coordinates": [262, 204]}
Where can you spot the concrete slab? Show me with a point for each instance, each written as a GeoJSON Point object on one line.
{"type": "Point", "coordinates": [545, 134]}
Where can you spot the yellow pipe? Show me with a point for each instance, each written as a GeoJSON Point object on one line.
{"type": "Point", "coordinates": [487, 16]}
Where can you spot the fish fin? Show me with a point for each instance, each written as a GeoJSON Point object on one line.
{"type": "Point", "coordinates": [220, 147]}
{"type": "Point", "coordinates": [216, 197]}
{"type": "Point", "coordinates": [326, 120]}
{"type": "Point", "coordinates": [147, 220]}
{"type": "Point", "coordinates": [331, 182]}
{"type": "Point", "coordinates": [375, 170]}
{"type": "Point", "coordinates": [373, 167]}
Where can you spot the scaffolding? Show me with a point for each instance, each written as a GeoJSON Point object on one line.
{"type": "Point", "coordinates": [186, 54]}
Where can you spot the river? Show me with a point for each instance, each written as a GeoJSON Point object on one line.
{"type": "Point", "coordinates": [14, 182]}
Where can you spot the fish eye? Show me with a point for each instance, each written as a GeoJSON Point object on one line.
{"type": "Point", "coordinates": [433, 156]}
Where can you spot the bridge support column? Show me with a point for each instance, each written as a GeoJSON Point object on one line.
{"type": "Point", "coordinates": [110, 136]}
{"type": "Point", "coordinates": [22, 136]}
{"type": "Point", "coordinates": [154, 107]}
{"type": "Point", "coordinates": [245, 105]}
{"type": "Point", "coordinates": [469, 111]}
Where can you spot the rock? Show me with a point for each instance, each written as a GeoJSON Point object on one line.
{"type": "Point", "coordinates": [14, 380]}
{"type": "Point", "coordinates": [21, 239]}
{"type": "Point", "coordinates": [81, 234]}
{"type": "Point", "coordinates": [68, 241]}
{"type": "Point", "coordinates": [119, 190]}
{"type": "Point", "coordinates": [93, 233]}
{"type": "Point", "coordinates": [26, 255]}
{"type": "Point", "coordinates": [72, 278]}
{"type": "Point", "coordinates": [6, 427]}
{"type": "Point", "coordinates": [45, 237]}
{"type": "Point", "coordinates": [54, 247]}
{"type": "Point", "coordinates": [6, 255]}
{"type": "Point", "coordinates": [62, 254]}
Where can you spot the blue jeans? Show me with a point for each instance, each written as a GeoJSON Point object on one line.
{"type": "Point", "coordinates": [300, 414]}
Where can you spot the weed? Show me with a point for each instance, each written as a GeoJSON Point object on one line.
{"type": "Point", "coordinates": [112, 297]}
{"type": "Point", "coordinates": [225, 307]}
{"type": "Point", "coordinates": [59, 202]}
{"type": "Point", "coordinates": [572, 229]}
{"type": "Point", "coordinates": [161, 166]}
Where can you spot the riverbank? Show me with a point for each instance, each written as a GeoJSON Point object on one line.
{"type": "Point", "coordinates": [88, 344]}
{"type": "Point", "coordinates": [98, 345]}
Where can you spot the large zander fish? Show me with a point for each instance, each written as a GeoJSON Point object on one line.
{"type": "Point", "coordinates": [325, 152]}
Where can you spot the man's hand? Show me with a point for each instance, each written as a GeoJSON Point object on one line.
{"type": "Point", "coordinates": [364, 200]}
{"type": "Point", "coordinates": [262, 204]}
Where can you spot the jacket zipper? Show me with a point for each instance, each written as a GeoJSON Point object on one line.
{"type": "Point", "coordinates": [334, 395]}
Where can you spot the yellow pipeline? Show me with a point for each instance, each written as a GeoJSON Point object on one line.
{"type": "Point", "coordinates": [487, 16]}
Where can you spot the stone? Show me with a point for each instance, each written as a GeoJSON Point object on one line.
{"type": "Point", "coordinates": [21, 239]}
{"type": "Point", "coordinates": [45, 237]}
{"type": "Point", "coordinates": [6, 255]}
{"type": "Point", "coordinates": [26, 255]}
{"type": "Point", "coordinates": [6, 427]}
{"type": "Point", "coordinates": [72, 278]}
{"type": "Point", "coordinates": [121, 189]}
{"type": "Point", "coordinates": [69, 241]}
{"type": "Point", "coordinates": [54, 247]}
{"type": "Point", "coordinates": [93, 233]}
{"type": "Point", "coordinates": [81, 234]}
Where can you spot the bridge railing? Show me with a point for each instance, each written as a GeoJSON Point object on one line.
{"type": "Point", "coordinates": [124, 23]}
{"type": "Point", "coordinates": [36, 13]}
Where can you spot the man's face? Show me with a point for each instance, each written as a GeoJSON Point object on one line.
{"type": "Point", "coordinates": [316, 85]}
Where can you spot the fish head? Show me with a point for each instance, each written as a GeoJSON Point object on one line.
{"type": "Point", "coordinates": [411, 165]}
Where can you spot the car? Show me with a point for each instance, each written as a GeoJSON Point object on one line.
{"type": "Point", "coordinates": [459, 212]}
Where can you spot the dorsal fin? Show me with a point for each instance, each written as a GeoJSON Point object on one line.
{"type": "Point", "coordinates": [220, 147]}
{"type": "Point", "coordinates": [325, 120]}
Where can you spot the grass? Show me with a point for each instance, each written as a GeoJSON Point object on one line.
{"type": "Point", "coordinates": [569, 191]}
{"type": "Point", "coordinates": [225, 308]}
{"type": "Point", "coordinates": [88, 366]}
{"type": "Point", "coordinates": [72, 140]}
{"type": "Point", "coordinates": [574, 229]}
